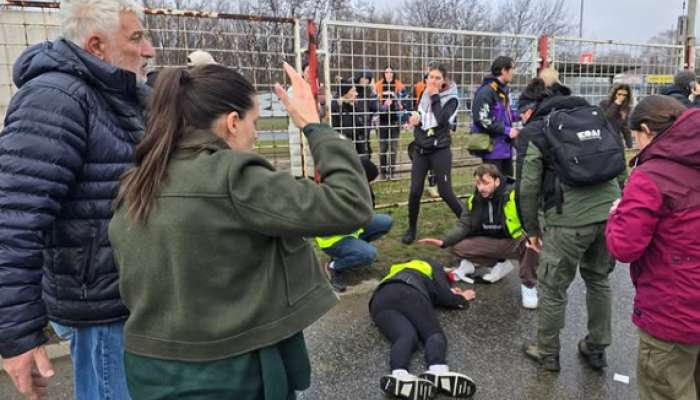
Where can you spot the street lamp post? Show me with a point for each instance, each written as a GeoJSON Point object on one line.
{"type": "Point", "coordinates": [580, 22]}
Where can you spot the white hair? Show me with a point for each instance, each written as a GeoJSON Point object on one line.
{"type": "Point", "coordinates": [550, 76]}
{"type": "Point", "coordinates": [80, 19]}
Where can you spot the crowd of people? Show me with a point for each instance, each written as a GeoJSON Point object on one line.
{"type": "Point", "coordinates": [138, 220]}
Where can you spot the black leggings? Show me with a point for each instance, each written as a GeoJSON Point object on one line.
{"type": "Point", "coordinates": [504, 165]}
{"type": "Point", "coordinates": [404, 315]}
{"type": "Point", "coordinates": [440, 162]}
{"type": "Point", "coordinates": [388, 149]}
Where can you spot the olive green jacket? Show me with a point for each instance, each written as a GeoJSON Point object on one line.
{"type": "Point", "coordinates": [222, 265]}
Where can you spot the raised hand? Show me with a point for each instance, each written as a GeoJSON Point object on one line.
{"type": "Point", "coordinates": [301, 107]}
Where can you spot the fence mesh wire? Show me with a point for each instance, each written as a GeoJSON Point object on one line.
{"type": "Point", "coordinates": [365, 50]}
{"type": "Point", "coordinates": [591, 67]}
{"type": "Point", "coordinates": [257, 47]}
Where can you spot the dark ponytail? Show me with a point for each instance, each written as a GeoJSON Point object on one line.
{"type": "Point", "coordinates": [181, 99]}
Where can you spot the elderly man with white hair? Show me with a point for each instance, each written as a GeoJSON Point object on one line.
{"type": "Point", "coordinates": [70, 132]}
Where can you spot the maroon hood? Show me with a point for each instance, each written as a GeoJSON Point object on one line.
{"type": "Point", "coordinates": [680, 143]}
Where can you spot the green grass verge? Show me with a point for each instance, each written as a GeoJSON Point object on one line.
{"type": "Point", "coordinates": [434, 220]}
{"type": "Point", "coordinates": [272, 124]}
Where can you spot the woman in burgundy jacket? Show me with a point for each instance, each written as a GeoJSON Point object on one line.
{"type": "Point", "coordinates": [656, 227]}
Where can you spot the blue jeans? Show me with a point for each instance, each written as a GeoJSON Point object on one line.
{"type": "Point", "coordinates": [350, 252]}
{"type": "Point", "coordinates": [97, 352]}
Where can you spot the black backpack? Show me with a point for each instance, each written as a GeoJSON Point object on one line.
{"type": "Point", "coordinates": [585, 148]}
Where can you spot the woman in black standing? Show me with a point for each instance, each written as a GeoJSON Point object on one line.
{"type": "Point", "coordinates": [617, 109]}
{"type": "Point", "coordinates": [437, 110]}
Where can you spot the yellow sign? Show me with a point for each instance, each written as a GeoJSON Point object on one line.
{"type": "Point", "coordinates": [659, 79]}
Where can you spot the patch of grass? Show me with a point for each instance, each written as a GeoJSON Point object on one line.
{"type": "Point", "coordinates": [273, 124]}
{"type": "Point", "coordinates": [434, 220]}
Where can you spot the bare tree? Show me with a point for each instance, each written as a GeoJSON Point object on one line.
{"type": "Point", "coordinates": [447, 14]}
{"type": "Point", "coordinates": [664, 37]}
{"type": "Point", "coordinates": [533, 17]}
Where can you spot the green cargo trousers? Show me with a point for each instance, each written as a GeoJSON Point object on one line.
{"type": "Point", "coordinates": [564, 250]}
{"type": "Point", "coordinates": [667, 370]}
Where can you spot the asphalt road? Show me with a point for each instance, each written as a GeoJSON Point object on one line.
{"type": "Point", "coordinates": [349, 355]}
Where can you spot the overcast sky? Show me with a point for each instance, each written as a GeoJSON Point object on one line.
{"type": "Point", "coordinates": [627, 20]}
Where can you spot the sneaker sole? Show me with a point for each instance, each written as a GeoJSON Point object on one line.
{"type": "Point", "coordinates": [419, 389]}
{"type": "Point", "coordinates": [460, 386]}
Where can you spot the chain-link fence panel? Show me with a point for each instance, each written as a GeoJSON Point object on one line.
{"type": "Point", "coordinates": [21, 27]}
{"type": "Point", "coordinates": [591, 67]}
{"type": "Point", "coordinates": [356, 57]}
{"type": "Point", "coordinates": [255, 46]}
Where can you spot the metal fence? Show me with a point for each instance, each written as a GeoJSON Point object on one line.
{"type": "Point", "coordinates": [255, 46]}
{"type": "Point", "coordinates": [21, 27]}
{"type": "Point", "coordinates": [353, 49]}
{"type": "Point", "coordinates": [591, 67]}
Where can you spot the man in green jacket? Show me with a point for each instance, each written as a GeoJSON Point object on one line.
{"type": "Point", "coordinates": [489, 234]}
{"type": "Point", "coordinates": [573, 236]}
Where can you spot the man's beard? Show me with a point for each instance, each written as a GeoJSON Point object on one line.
{"type": "Point", "coordinates": [119, 61]}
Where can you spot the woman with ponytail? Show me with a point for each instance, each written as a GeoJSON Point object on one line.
{"type": "Point", "coordinates": [210, 241]}
{"type": "Point", "coordinates": [655, 228]}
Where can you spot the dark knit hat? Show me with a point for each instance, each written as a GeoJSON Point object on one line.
{"type": "Point", "coordinates": [345, 86]}
{"type": "Point", "coordinates": [363, 73]}
{"type": "Point", "coordinates": [683, 79]}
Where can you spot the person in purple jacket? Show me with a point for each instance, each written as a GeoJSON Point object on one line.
{"type": "Point", "coordinates": [492, 114]}
{"type": "Point", "coordinates": [655, 227]}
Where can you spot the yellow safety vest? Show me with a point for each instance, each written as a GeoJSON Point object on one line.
{"type": "Point", "coordinates": [328, 241]}
{"type": "Point", "coordinates": [510, 211]}
{"type": "Point", "coordinates": [419, 265]}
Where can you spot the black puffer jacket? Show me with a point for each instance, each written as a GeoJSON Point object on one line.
{"type": "Point", "coordinates": [69, 134]}
{"type": "Point", "coordinates": [352, 123]}
{"type": "Point", "coordinates": [682, 95]}
{"type": "Point", "coordinates": [436, 290]}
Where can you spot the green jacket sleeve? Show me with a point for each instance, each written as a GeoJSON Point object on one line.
{"type": "Point", "coordinates": [530, 189]}
{"type": "Point", "coordinates": [460, 231]}
{"type": "Point", "coordinates": [275, 203]}
{"type": "Point", "coordinates": [622, 178]}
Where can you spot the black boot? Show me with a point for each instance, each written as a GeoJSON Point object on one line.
{"type": "Point", "coordinates": [409, 237]}
{"type": "Point", "coordinates": [594, 357]}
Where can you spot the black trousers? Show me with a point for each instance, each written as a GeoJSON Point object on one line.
{"type": "Point", "coordinates": [440, 161]}
{"type": "Point", "coordinates": [388, 149]}
{"type": "Point", "coordinates": [405, 316]}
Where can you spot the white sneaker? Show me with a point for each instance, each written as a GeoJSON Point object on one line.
{"type": "Point", "coordinates": [498, 271]}
{"type": "Point", "coordinates": [407, 386]}
{"type": "Point", "coordinates": [465, 268]}
{"type": "Point", "coordinates": [529, 296]}
{"type": "Point", "coordinates": [453, 384]}
{"type": "Point", "coordinates": [433, 192]}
